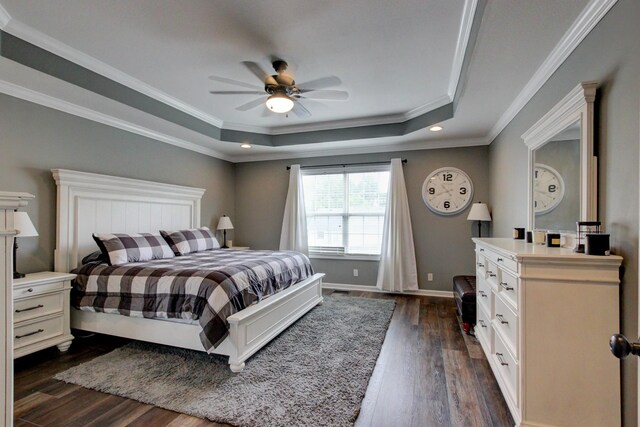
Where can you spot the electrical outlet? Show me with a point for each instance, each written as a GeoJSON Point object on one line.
{"type": "Point", "coordinates": [429, 277]}
{"type": "Point", "coordinates": [355, 272]}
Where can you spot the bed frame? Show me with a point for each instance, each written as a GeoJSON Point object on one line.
{"type": "Point", "coordinates": [91, 203]}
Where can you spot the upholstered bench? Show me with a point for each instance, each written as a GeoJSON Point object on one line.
{"type": "Point", "coordinates": [464, 292]}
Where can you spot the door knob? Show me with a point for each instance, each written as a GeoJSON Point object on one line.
{"type": "Point", "coordinates": [621, 347]}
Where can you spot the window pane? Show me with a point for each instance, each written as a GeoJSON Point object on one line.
{"type": "Point", "coordinates": [368, 192]}
{"type": "Point", "coordinates": [365, 234]}
{"type": "Point", "coordinates": [324, 193]}
{"type": "Point", "coordinates": [325, 231]}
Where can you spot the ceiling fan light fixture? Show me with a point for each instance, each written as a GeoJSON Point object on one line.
{"type": "Point", "coordinates": [435, 128]}
{"type": "Point", "coordinates": [279, 103]}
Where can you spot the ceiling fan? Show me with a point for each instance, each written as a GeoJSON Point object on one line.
{"type": "Point", "coordinates": [284, 94]}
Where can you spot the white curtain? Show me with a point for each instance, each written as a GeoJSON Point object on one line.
{"type": "Point", "coordinates": [294, 224]}
{"type": "Point", "coordinates": [397, 270]}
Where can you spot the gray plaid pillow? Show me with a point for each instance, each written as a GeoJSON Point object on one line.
{"type": "Point", "coordinates": [184, 242]}
{"type": "Point", "coordinates": [122, 248]}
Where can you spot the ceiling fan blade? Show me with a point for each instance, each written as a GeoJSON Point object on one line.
{"type": "Point", "coordinates": [321, 83]}
{"type": "Point", "coordinates": [251, 104]}
{"type": "Point", "coordinates": [234, 82]}
{"type": "Point", "coordinates": [300, 111]}
{"type": "Point", "coordinates": [256, 70]}
{"type": "Point", "coordinates": [335, 95]}
{"type": "Point", "coordinates": [236, 92]}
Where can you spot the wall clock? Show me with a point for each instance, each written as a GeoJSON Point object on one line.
{"type": "Point", "coordinates": [548, 188]}
{"type": "Point", "coordinates": [447, 191]}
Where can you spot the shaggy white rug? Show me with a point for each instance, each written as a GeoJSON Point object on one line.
{"type": "Point", "coordinates": [314, 374]}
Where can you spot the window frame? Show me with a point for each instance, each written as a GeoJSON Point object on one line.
{"type": "Point", "coordinates": [345, 171]}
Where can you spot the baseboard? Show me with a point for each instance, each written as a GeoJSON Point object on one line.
{"type": "Point", "coordinates": [363, 288]}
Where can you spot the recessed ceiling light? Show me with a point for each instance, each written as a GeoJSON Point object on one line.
{"type": "Point", "coordinates": [247, 146]}
{"type": "Point", "coordinates": [435, 128]}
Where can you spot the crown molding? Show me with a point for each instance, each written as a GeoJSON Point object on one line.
{"type": "Point", "coordinates": [65, 51]}
{"type": "Point", "coordinates": [581, 27]}
{"type": "Point", "coordinates": [67, 107]}
{"type": "Point", "coordinates": [468, 13]}
{"type": "Point", "coordinates": [370, 149]}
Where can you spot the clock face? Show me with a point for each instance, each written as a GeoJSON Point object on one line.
{"type": "Point", "coordinates": [548, 188]}
{"type": "Point", "coordinates": [447, 191]}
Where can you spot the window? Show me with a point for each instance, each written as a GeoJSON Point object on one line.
{"type": "Point", "coordinates": [345, 210]}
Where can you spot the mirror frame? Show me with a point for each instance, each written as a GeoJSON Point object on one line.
{"type": "Point", "coordinates": [576, 106]}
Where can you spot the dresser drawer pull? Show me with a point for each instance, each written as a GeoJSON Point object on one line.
{"type": "Point", "coordinates": [482, 294]}
{"type": "Point", "coordinates": [492, 274]}
{"type": "Point", "coordinates": [30, 290]}
{"type": "Point", "coordinates": [500, 260]}
{"type": "Point", "coordinates": [501, 318]}
{"type": "Point", "coordinates": [482, 323]}
{"type": "Point", "coordinates": [35, 307]}
{"type": "Point", "coordinates": [506, 286]}
{"type": "Point", "coordinates": [480, 264]}
{"type": "Point", "coordinates": [502, 362]}
{"type": "Point", "coordinates": [29, 334]}
{"type": "Point", "coordinates": [481, 250]}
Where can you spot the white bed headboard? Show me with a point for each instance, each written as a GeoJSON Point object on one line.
{"type": "Point", "coordinates": [92, 203]}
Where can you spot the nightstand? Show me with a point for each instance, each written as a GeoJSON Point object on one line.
{"type": "Point", "coordinates": [41, 312]}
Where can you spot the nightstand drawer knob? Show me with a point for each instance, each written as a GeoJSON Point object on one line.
{"type": "Point", "coordinates": [30, 290]}
{"type": "Point", "coordinates": [29, 334]}
{"type": "Point", "coordinates": [35, 307]}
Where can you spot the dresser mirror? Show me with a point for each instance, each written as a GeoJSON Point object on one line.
{"type": "Point", "coordinates": [562, 172]}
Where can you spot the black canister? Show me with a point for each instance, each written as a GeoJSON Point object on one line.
{"type": "Point", "coordinates": [597, 244]}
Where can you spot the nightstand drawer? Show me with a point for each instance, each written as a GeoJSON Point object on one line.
{"type": "Point", "coordinates": [29, 308]}
{"type": "Point", "coordinates": [32, 332]}
{"type": "Point", "coordinates": [36, 289]}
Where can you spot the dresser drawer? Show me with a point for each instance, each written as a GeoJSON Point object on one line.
{"type": "Point", "coordinates": [484, 296]}
{"type": "Point", "coordinates": [481, 266]}
{"type": "Point", "coordinates": [507, 369]}
{"type": "Point", "coordinates": [509, 287]}
{"type": "Point", "coordinates": [29, 308]}
{"type": "Point", "coordinates": [32, 332]}
{"type": "Point", "coordinates": [37, 289]}
{"type": "Point", "coordinates": [492, 273]}
{"type": "Point", "coordinates": [484, 330]}
{"type": "Point", "coordinates": [506, 323]}
{"type": "Point", "coordinates": [501, 260]}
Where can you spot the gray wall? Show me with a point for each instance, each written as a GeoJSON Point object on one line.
{"type": "Point", "coordinates": [611, 55]}
{"type": "Point", "coordinates": [443, 244]}
{"type": "Point", "coordinates": [36, 139]}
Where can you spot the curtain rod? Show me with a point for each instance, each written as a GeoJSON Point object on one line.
{"type": "Point", "coordinates": [345, 165]}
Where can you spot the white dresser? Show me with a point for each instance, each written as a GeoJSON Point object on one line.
{"type": "Point", "coordinates": [545, 316]}
{"type": "Point", "coordinates": [41, 312]}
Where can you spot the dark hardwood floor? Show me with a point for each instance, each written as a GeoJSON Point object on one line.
{"type": "Point", "coordinates": [428, 374]}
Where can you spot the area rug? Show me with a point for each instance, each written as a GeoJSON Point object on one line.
{"type": "Point", "coordinates": [314, 374]}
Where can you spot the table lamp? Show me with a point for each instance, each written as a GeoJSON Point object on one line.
{"type": "Point", "coordinates": [25, 228]}
{"type": "Point", "coordinates": [479, 212]}
{"type": "Point", "coordinates": [225, 224]}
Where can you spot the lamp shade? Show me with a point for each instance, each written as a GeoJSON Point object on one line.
{"type": "Point", "coordinates": [23, 224]}
{"type": "Point", "coordinates": [225, 223]}
{"type": "Point", "coordinates": [479, 212]}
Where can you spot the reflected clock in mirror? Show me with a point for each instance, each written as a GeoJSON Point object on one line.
{"type": "Point", "coordinates": [548, 188]}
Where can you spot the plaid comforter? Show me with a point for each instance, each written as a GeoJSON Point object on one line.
{"type": "Point", "coordinates": [209, 286]}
